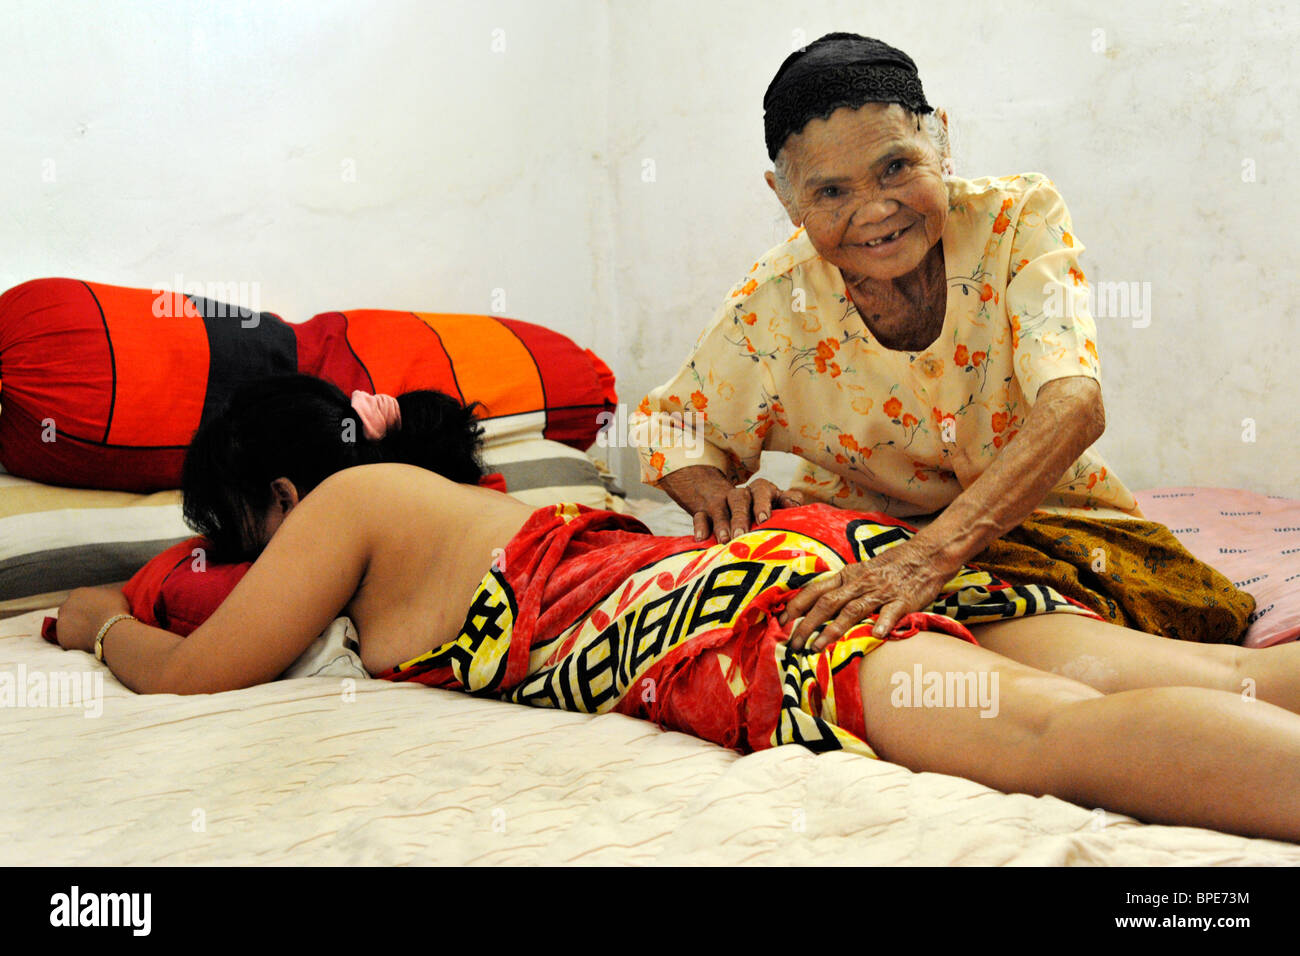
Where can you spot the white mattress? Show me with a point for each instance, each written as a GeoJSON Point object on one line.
{"type": "Point", "coordinates": [294, 773]}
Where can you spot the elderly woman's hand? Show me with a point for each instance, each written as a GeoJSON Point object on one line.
{"type": "Point", "coordinates": [721, 508]}
{"type": "Point", "coordinates": [905, 578]}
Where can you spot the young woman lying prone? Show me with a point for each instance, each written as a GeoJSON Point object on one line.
{"type": "Point", "coordinates": [461, 587]}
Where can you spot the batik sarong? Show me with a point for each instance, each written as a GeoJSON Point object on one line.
{"type": "Point", "coordinates": [587, 611]}
{"type": "Point", "coordinates": [1132, 572]}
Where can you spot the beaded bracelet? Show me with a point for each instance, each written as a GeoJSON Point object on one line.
{"type": "Point", "coordinates": [99, 638]}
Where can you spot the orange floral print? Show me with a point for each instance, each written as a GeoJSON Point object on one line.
{"type": "Point", "coordinates": [893, 407]}
{"type": "Point", "coordinates": [932, 367]}
{"type": "Point", "coordinates": [961, 356]}
{"type": "Point", "coordinates": [809, 322]}
{"type": "Point", "coordinates": [826, 350]}
{"type": "Point", "coordinates": [1001, 222]}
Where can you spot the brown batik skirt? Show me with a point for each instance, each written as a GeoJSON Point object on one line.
{"type": "Point", "coordinates": [1132, 572]}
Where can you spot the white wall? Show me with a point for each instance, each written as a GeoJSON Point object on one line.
{"type": "Point", "coordinates": [339, 154]}
{"type": "Point", "coordinates": [213, 140]}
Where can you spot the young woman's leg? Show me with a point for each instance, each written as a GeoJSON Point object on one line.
{"type": "Point", "coordinates": [1174, 755]}
{"type": "Point", "coordinates": [1111, 658]}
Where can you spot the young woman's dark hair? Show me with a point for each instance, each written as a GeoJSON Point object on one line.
{"type": "Point", "coordinates": [305, 429]}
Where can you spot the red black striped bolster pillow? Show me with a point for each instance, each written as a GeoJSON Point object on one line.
{"type": "Point", "coordinates": [103, 386]}
{"type": "Point", "coordinates": [530, 379]}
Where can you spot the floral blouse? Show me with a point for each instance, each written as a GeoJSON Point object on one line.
{"type": "Point", "coordinates": [788, 365]}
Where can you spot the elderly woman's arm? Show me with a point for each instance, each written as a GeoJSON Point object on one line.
{"type": "Point", "coordinates": [701, 435]}
{"type": "Point", "coordinates": [1066, 418]}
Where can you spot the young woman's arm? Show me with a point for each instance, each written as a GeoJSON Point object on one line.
{"type": "Point", "coordinates": [308, 573]}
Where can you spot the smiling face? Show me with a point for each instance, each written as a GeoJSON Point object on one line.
{"type": "Point", "coordinates": [861, 175]}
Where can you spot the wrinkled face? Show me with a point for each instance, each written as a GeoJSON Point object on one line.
{"type": "Point", "coordinates": [863, 174]}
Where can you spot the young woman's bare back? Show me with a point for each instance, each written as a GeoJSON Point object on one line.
{"type": "Point", "coordinates": [397, 548]}
{"type": "Point", "coordinates": [430, 543]}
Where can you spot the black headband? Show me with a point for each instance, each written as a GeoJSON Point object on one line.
{"type": "Point", "coordinates": [839, 69]}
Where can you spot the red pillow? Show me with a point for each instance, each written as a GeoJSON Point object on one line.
{"type": "Point", "coordinates": [103, 386]}
{"type": "Point", "coordinates": [100, 392]}
{"type": "Point", "coordinates": [178, 590]}
{"type": "Point", "coordinates": [529, 378]}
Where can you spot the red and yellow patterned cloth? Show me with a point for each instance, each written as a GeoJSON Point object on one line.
{"type": "Point", "coordinates": [587, 611]}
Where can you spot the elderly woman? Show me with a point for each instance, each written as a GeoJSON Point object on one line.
{"type": "Point", "coordinates": [923, 343]}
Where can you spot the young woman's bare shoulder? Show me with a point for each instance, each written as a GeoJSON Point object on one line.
{"type": "Point", "coordinates": [389, 488]}
{"type": "Point", "coordinates": [364, 479]}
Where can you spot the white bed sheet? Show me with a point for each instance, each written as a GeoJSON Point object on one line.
{"type": "Point", "coordinates": [319, 771]}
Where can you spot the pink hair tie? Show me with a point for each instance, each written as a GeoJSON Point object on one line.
{"type": "Point", "coordinates": [378, 413]}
